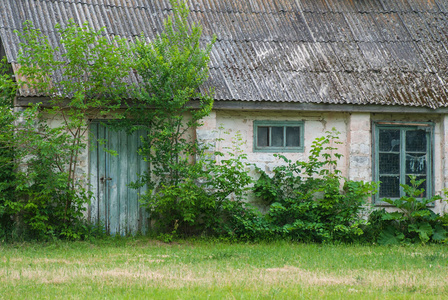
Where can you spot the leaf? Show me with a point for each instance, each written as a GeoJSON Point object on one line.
{"type": "Point", "coordinates": [390, 201]}
{"type": "Point", "coordinates": [439, 234]}
{"type": "Point", "coordinates": [390, 236]}
{"type": "Point", "coordinates": [392, 216]}
{"type": "Point", "coordinates": [424, 231]}
{"type": "Point", "coordinates": [421, 213]}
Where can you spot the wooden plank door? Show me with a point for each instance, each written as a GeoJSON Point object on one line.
{"type": "Point", "coordinates": [115, 205]}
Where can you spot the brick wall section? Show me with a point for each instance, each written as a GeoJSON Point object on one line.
{"type": "Point", "coordinates": [207, 133]}
{"type": "Point", "coordinates": [443, 207]}
{"type": "Point", "coordinates": [359, 143]}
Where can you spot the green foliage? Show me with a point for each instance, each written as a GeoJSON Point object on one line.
{"type": "Point", "coordinates": [92, 67]}
{"type": "Point", "coordinates": [92, 84]}
{"type": "Point", "coordinates": [412, 221]}
{"type": "Point", "coordinates": [228, 183]}
{"type": "Point", "coordinates": [7, 93]}
{"type": "Point", "coordinates": [45, 191]}
{"type": "Point", "coordinates": [208, 200]}
{"type": "Point", "coordinates": [306, 200]}
{"type": "Point", "coordinates": [8, 86]}
{"type": "Point", "coordinates": [168, 107]}
{"type": "Point", "coordinates": [36, 192]}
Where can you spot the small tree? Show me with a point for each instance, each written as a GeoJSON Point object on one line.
{"type": "Point", "coordinates": [172, 69]}
{"type": "Point", "coordinates": [86, 82]}
{"type": "Point", "coordinates": [82, 79]}
{"type": "Point", "coordinates": [7, 93]}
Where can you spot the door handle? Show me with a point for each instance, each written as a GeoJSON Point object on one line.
{"type": "Point", "coordinates": [102, 179]}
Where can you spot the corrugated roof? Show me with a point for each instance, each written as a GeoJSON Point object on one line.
{"type": "Point", "coordinates": [307, 51]}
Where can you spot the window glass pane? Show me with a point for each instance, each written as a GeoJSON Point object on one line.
{"type": "Point", "coordinates": [390, 186]}
{"type": "Point", "coordinates": [292, 136]}
{"type": "Point", "coordinates": [402, 152]}
{"type": "Point", "coordinates": [277, 136]}
{"type": "Point", "coordinates": [415, 140]}
{"type": "Point", "coordinates": [389, 140]}
{"type": "Point", "coordinates": [424, 185]}
{"type": "Point", "coordinates": [263, 136]}
{"type": "Point", "coordinates": [416, 163]}
{"type": "Point", "coordinates": [389, 163]}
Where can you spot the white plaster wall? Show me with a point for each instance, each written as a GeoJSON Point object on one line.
{"type": "Point", "coordinates": [316, 124]}
{"type": "Point", "coordinates": [359, 138]}
{"type": "Point", "coordinates": [355, 134]}
{"type": "Point", "coordinates": [443, 207]}
{"type": "Point", "coordinates": [82, 168]}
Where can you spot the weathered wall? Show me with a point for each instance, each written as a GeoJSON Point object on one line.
{"type": "Point", "coordinates": [359, 147]}
{"type": "Point", "coordinates": [355, 134]}
{"type": "Point", "coordinates": [315, 126]}
{"type": "Point", "coordinates": [82, 168]}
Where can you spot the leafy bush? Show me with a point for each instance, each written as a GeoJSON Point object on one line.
{"type": "Point", "coordinates": [34, 185]}
{"type": "Point", "coordinates": [7, 93]}
{"type": "Point", "coordinates": [40, 179]}
{"type": "Point", "coordinates": [413, 221]}
{"type": "Point", "coordinates": [172, 68]}
{"type": "Point", "coordinates": [305, 198]}
{"type": "Point", "coordinates": [207, 200]}
{"type": "Point", "coordinates": [6, 190]}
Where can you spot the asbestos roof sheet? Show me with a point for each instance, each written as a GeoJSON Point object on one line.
{"type": "Point", "coordinates": [307, 51]}
{"type": "Point", "coordinates": [364, 6]}
{"type": "Point", "coordinates": [397, 5]}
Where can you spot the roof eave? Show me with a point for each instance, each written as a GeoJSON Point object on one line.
{"type": "Point", "coordinates": [324, 107]}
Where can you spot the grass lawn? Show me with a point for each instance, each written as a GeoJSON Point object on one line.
{"type": "Point", "coordinates": [143, 268]}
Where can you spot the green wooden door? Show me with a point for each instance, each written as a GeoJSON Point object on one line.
{"type": "Point", "coordinates": [115, 205]}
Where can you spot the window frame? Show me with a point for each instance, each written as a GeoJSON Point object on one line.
{"type": "Point", "coordinates": [284, 124]}
{"type": "Point", "coordinates": [402, 126]}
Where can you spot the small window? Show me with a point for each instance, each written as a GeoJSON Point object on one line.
{"type": "Point", "coordinates": [275, 136]}
{"type": "Point", "coordinates": [400, 151]}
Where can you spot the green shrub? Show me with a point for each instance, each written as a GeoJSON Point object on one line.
{"type": "Point", "coordinates": [306, 202]}
{"type": "Point", "coordinates": [207, 199]}
{"type": "Point", "coordinates": [33, 188]}
{"type": "Point", "coordinates": [40, 185]}
{"type": "Point", "coordinates": [413, 221]}
{"type": "Point", "coordinates": [7, 93]}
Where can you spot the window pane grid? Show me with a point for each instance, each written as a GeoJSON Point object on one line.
{"type": "Point", "coordinates": [275, 136]}
{"type": "Point", "coordinates": [402, 152]}
{"type": "Point", "coordinates": [278, 136]}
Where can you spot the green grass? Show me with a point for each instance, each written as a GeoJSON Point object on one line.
{"type": "Point", "coordinates": [143, 268]}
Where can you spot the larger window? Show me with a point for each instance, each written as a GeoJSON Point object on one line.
{"type": "Point", "coordinates": [401, 150]}
{"type": "Point", "coordinates": [278, 136]}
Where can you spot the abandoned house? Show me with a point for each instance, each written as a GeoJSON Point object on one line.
{"type": "Point", "coordinates": [284, 72]}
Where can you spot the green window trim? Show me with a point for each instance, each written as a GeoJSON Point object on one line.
{"type": "Point", "coordinates": [278, 136]}
{"type": "Point", "coordinates": [401, 149]}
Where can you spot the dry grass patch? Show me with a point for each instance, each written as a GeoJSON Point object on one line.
{"type": "Point", "coordinates": [223, 269]}
{"type": "Point", "coordinates": [306, 277]}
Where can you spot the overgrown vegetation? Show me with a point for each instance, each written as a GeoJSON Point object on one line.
{"type": "Point", "coordinates": [412, 221]}
{"type": "Point", "coordinates": [191, 188]}
{"type": "Point", "coordinates": [172, 68]}
{"type": "Point", "coordinates": [310, 200]}
{"type": "Point", "coordinates": [7, 92]}
{"type": "Point", "coordinates": [208, 199]}
{"type": "Point", "coordinates": [45, 193]}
